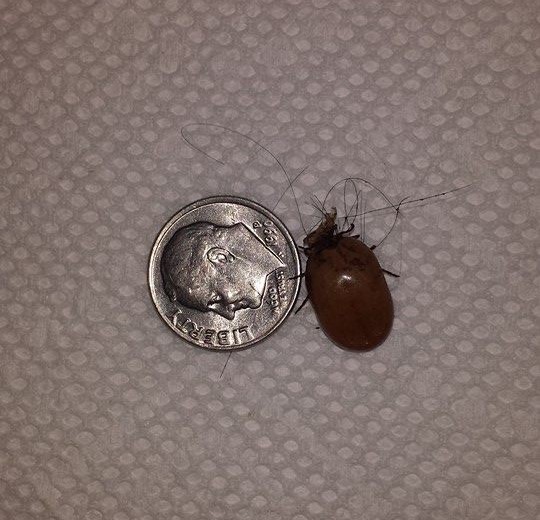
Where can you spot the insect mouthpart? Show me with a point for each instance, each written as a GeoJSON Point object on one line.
{"type": "Point", "coordinates": [323, 234]}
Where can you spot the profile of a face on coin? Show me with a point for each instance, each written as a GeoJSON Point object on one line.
{"type": "Point", "coordinates": [224, 273]}
{"type": "Point", "coordinates": [214, 268]}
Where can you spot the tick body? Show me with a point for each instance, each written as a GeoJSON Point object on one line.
{"type": "Point", "coordinates": [347, 288]}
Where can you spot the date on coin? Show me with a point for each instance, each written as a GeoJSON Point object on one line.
{"type": "Point", "coordinates": [224, 273]}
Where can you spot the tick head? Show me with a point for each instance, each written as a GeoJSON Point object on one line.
{"type": "Point", "coordinates": [323, 234]}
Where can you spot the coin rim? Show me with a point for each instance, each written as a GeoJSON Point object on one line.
{"type": "Point", "coordinates": [231, 199]}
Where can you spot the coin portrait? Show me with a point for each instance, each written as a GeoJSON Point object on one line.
{"type": "Point", "coordinates": [224, 273]}
{"type": "Point", "coordinates": [217, 268]}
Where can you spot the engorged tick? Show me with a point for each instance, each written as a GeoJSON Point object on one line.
{"type": "Point", "coordinates": [347, 288]}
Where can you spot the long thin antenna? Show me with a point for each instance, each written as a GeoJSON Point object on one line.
{"type": "Point", "coordinates": [225, 365]}
{"type": "Point", "coordinates": [251, 140]}
{"type": "Point", "coordinates": [365, 181]}
{"type": "Point", "coordinates": [353, 210]}
{"type": "Point", "coordinates": [421, 199]}
{"type": "Point", "coordinates": [295, 178]}
{"type": "Point", "coordinates": [393, 224]}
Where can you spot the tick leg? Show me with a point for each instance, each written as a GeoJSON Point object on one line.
{"type": "Point", "coordinates": [385, 270]}
{"type": "Point", "coordinates": [345, 231]}
{"type": "Point", "coordinates": [301, 305]}
{"type": "Point", "coordinates": [301, 275]}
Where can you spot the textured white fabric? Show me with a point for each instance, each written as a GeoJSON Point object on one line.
{"type": "Point", "coordinates": [105, 414]}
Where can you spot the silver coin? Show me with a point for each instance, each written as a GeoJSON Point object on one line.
{"type": "Point", "coordinates": [224, 273]}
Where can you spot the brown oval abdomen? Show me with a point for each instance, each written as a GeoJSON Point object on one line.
{"type": "Point", "coordinates": [348, 291]}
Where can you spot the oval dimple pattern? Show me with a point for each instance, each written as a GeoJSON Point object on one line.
{"type": "Point", "coordinates": [106, 415]}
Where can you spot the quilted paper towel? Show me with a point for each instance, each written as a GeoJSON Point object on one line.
{"type": "Point", "coordinates": [106, 415]}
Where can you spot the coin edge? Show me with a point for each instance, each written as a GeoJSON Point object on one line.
{"type": "Point", "coordinates": [231, 199]}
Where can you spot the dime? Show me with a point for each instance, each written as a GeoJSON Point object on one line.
{"type": "Point", "coordinates": [224, 273]}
